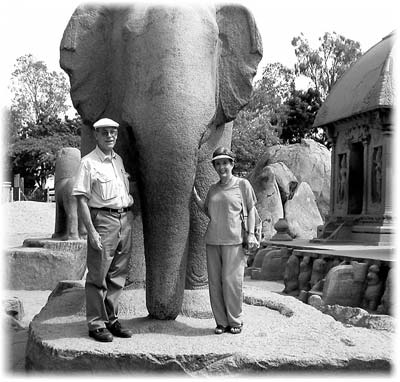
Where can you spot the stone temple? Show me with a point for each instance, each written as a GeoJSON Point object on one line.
{"type": "Point", "coordinates": [357, 116]}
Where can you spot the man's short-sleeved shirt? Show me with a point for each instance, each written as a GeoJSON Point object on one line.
{"type": "Point", "coordinates": [223, 206]}
{"type": "Point", "coordinates": [103, 180]}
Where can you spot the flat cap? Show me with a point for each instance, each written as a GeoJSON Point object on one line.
{"type": "Point", "coordinates": [105, 122]}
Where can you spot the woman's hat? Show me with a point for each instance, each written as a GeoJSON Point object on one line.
{"type": "Point", "coordinates": [223, 153]}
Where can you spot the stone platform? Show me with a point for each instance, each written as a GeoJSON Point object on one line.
{"type": "Point", "coordinates": [39, 264]}
{"type": "Point", "coordinates": [280, 334]}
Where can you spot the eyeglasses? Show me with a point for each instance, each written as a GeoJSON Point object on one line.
{"type": "Point", "coordinates": [106, 133]}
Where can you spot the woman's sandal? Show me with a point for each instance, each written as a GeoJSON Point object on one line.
{"type": "Point", "coordinates": [220, 329]}
{"type": "Point", "coordinates": [236, 329]}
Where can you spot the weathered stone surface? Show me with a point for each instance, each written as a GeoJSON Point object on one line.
{"type": "Point", "coordinates": [13, 307]}
{"type": "Point", "coordinates": [269, 202]}
{"type": "Point", "coordinates": [285, 179]}
{"type": "Point", "coordinates": [43, 267]}
{"type": "Point", "coordinates": [279, 334]}
{"type": "Point", "coordinates": [310, 162]}
{"type": "Point", "coordinates": [273, 265]}
{"type": "Point", "coordinates": [302, 214]}
{"type": "Point", "coordinates": [358, 317]}
{"type": "Point", "coordinates": [68, 225]}
{"type": "Point", "coordinates": [341, 287]}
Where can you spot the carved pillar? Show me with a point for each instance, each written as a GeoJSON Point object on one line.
{"type": "Point", "coordinates": [333, 140]}
{"type": "Point", "coordinates": [366, 166]}
{"type": "Point", "coordinates": [388, 176]}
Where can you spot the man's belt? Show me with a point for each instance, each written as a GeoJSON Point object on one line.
{"type": "Point", "coordinates": [117, 210]}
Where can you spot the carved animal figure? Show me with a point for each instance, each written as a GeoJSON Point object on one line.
{"type": "Point", "coordinates": [373, 291]}
{"type": "Point", "coordinates": [291, 276]}
{"type": "Point", "coordinates": [68, 226]}
{"type": "Point", "coordinates": [172, 76]}
{"type": "Point", "coordinates": [305, 273]}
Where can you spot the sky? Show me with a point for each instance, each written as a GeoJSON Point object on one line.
{"type": "Point", "coordinates": [37, 27]}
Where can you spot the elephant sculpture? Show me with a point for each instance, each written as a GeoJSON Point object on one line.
{"type": "Point", "coordinates": [68, 225]}
{"type": "Point", "coordinates": [173, 76]}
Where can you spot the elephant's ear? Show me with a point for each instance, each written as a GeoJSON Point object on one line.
{"type": "Point", "coordinates": [85, 56]}
{"type": "Point", "coordinates": [241, 52]}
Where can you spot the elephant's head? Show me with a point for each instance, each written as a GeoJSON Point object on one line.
{"type": "Point", "coordinates": [172, 76]}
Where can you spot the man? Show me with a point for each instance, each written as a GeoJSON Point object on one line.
{"type": "Point", "coordinates": [102, 190]}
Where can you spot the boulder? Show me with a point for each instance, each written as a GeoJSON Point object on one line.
{"type": "Point", "coordinates": [302, 214]}
{"type": "Point", "coordinates": [310, 162]}
{"type": "Point", "coordinates": [269, 203]}
{"type": "Point", "coordinates": [285, 179]}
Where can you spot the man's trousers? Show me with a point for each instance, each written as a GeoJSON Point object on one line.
{"type": "Point", "coordinates": [107, 269]}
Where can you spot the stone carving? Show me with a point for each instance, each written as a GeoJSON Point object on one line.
{"type": "Point", "coordinates": [305, 273]}
{"type": "Point", "coordinates": [386, 306]}
{"type": "Point", "coordinates": [282, 231]}
{"type": "Point", "coordinates": [269, 200]}
{"type": "Point", "coordinates": [169, 122]}
{"type": "Point", "coordinates": [68, 225]}
{"type": "Point", "coordinates": [342, 183]}
{"type": "Point", "coordinates": [318, 272]}
{"type": "Point", "coordinates": [344, 284]}
{"type": "Point", "coordinates": [291, 276]}
{"type": "Point", "coordinates": [309, 162]}
{"type": "Point", "coordinates": [273, 265]}
{"type": "Point", "coordinates": [373, 290]}
{"type": "Point", "coordinates": [376, 181]}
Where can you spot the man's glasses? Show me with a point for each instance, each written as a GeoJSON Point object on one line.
{"type": "Point", "coordinates": [106, 133]}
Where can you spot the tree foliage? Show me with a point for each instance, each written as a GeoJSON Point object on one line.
{"type": "Point", "coordinates": [300, 111]}
{"type": "Point", "coordinates": [36, 92]}
{"type": "Point", "coordinates": [258, 125]}
{"type": "Point", "coordinates": [327, 63]}
{"type": "Point", "coordinates": [34, 157]}
{"type": "Point", "coordinates": [36, 126]}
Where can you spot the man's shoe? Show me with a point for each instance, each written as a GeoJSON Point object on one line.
{"type": "Point", "coordinates": [118, 331]}
{"type": "Point", "coordinates": [101, 334]}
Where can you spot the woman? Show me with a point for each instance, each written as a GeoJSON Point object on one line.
{"type": "Point", "coordinates": [224, 239]}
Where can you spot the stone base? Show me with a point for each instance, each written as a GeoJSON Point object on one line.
{"type": "Point", "coordinates": [42, 263]}
{"type": "Point", "coordinates": [280, 334]}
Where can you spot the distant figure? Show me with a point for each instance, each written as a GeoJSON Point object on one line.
{"type": "Point", "coordinates": [102, 190]}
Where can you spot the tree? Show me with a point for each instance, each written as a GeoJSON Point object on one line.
{"type": "Point", "coordinates": [324, 65]}
{"type": "Point", "coordinates": [37, 93]}
{"type": "Point", "coordinates": [258, 125]}
{"type": "Point", "coordinates": [300, 111]}
{"type": "Point", "coordinates": [34, 157]}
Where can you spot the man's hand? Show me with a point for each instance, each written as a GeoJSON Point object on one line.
{"type": "Point", "coordinates": [95, 240]}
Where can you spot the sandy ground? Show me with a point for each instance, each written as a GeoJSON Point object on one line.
{"type": "Point", "coordinates": [22, 220]}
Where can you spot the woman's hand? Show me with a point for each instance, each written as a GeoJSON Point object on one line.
{"type": "Point", "coordinates": [252, 242]}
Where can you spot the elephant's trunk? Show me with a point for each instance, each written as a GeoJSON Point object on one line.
{"type": "Point", "coordinates": [168, 108]}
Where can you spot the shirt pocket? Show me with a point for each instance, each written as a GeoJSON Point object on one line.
{"type": "Point", "coordinates": [105, 187]}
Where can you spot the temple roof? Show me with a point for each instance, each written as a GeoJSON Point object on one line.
{"type": "Point", "coordinates": [368, 84]}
